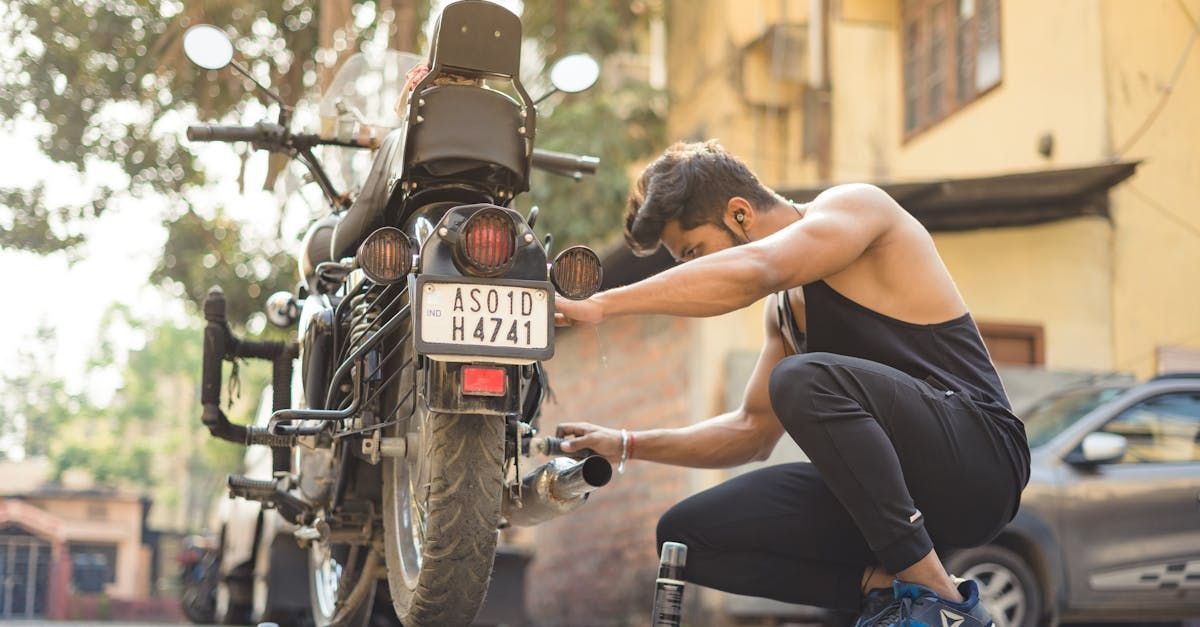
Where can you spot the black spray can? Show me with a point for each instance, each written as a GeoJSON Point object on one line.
{"type": "Point", "coordinates": [668, 588]}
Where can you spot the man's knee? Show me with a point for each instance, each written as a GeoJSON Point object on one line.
{"type": "Point", "coordinates": [796, 378]}
{"type": "Point", "coordinates": [673, 524]}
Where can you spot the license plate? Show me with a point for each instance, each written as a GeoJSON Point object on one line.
{"type": "Point", "coordinates": [485, 316]}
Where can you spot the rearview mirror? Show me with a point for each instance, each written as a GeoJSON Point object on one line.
{"type": "Point", "coordinates": [1099, 448]}
{"type": "Point", "coordinates": [574, 73]}
{"type": "Point", "coordinates": [208, 47]}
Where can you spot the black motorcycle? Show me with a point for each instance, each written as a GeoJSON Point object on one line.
{"type": "Point", "coordinates": [424, 311]}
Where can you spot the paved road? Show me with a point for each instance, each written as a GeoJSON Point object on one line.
{"type": "Point", "coordinates": [55, 623]}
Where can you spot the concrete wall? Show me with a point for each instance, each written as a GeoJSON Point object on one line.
{"type": "Point", "coordinates": [596, 566]}
{"type": "Point", "coordinates": [1156, 298]}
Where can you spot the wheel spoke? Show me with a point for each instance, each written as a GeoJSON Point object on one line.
{"type": "Point", "coordinates": [1001, 580]}
{"type": "Point", "coordinates": [1013, 599]}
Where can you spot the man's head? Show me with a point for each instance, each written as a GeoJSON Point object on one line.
{"type": "Point", "coordinates": [695, 199]}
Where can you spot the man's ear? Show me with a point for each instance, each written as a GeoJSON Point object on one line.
{"type": "Point", "coordinates": [739, 214]}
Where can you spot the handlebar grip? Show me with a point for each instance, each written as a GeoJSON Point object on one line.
{"type": "Point", "coordinates": [564, 162]}
{"type": "Point", "coordinates": [553, 446]}
{"type": "Point", "coordinates": [218, 133]}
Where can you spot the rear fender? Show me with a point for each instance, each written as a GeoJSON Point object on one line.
{"type": "Point", "coordinates": [443, 390]}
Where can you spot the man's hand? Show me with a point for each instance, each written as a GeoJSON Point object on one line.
{"type": "Point", "coordinates": [605, 441]}
{"type": "Point", "coordinates": [569, 312]}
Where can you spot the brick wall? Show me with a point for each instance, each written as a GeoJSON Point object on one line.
{"type": "Point", "coordinates": [596, 566]}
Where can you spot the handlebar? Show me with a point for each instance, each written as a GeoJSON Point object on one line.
{"type": "Point", "coordinates": [266, 135]}
{"type": "Point", "coordinates": [261, 132]}
{"type": "Point", "coordinates": [564, 163]}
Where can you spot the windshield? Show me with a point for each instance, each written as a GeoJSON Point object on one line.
{"type": "Point", "coordinates": [361, 101]}
{"type": "Point", "coordinates": [1053, 414]}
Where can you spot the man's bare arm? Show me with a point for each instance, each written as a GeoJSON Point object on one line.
{"type": "Point", "coordinates": [840, 225]}
{"type": "Point", "coordinates": [746, 434]}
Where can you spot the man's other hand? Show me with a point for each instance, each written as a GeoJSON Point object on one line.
{"type": "Point", "coordinates": [602, 440]}
{"type": "Point", "coordinates": [571, 312]}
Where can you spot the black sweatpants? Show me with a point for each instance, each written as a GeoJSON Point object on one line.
{"type": "Point", "coordinates": [898, 467]}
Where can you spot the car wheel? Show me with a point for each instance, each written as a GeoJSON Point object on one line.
{"type": "Point", "coordinates": [1007, 586]}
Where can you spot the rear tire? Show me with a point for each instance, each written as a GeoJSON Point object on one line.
{"type": "Point", "coordinates": [440, 542]}
{"type": "Point", "coordinates": [1007, 586]}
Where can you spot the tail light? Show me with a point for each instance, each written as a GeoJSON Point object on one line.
{"type": "Point", "coordinates": [576, 273]}
{"type": "Point", "coordinates": [386, 255]}
{"type": "Point", "coordinates": [487, 243]}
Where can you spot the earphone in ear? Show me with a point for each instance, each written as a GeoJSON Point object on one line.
{"type": "Point", "coordinates": [740, 217]}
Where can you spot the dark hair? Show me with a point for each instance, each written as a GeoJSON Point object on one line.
{"type": "Point", "coordinates": [692, 183]}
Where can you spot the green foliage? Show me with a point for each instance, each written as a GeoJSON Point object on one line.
{"type": "Point", "coordinates": [620, 120]}
{"type": "Point", "coordinates": [201, 253]}
{"type": "Point", "coordinates": [108, 83]}
{"type": "Point", "coordinates": [149, 438]}
{"type": "Point", "coordinates": [621, 128]}
{"type": "Point", "coordinates": [33, 226]}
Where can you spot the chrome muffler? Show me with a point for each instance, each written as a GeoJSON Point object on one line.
{"type": "Point", "coordinates": [553, 489]}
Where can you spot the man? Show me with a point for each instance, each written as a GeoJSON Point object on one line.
{"type": "Point", "coordinates": [873, 365]}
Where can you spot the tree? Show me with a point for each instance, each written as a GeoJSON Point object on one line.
{"type": "Point", "coordinates": [108, 84]}
{"type": "Point", "coordinates": [149, 437]}
{"type": "Point", "coordinates": [621, 120]}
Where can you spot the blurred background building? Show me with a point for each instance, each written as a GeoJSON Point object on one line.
{"type": "Point", "coordinates": [1051, 148]}
{"type": "Point", "coordinates": [72, 549]}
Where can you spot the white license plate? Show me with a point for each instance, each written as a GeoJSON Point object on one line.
{"type": "Point", "coordinates": [493, 316]}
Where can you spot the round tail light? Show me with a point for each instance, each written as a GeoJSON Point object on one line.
{"type": "Point", "coordinates": [576, 273]}
{"type": "Point", "coordinates": [386, 255]}
{"type": "Point", "coordinates": [488, 242]}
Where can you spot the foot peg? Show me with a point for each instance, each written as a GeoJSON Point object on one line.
{"type": "Point", "coordinates": [271, 494]}
{"type": "Point", "coordinates": [263, 436]}
{"type": "Point", "coordinates": [250, 489]}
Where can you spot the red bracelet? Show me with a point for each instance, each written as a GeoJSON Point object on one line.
{"type": "Point", "coordinates": [629, 451]}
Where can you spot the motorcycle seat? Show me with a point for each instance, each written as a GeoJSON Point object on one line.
{"type": "Point", "coordinates": [464, 127]}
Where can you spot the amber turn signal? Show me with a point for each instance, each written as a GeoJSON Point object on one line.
{"type": "Point", "coordinates": [386, 255]}
{"type": "Point", "coordinates": [576, 273]}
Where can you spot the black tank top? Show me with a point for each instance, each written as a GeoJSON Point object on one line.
{"type": "Point", "coordinates": [949, 355]}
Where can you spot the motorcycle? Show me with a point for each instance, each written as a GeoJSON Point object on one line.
{"type": "Point", "coordinates": [423, 315]}
{"type": "Point", "coordinates": [199, 562]}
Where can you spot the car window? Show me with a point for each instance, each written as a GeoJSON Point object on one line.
{"type": "Point", "coordinates": [1162, 429]}
{"type": "Point", "coordinates": [1053, 414]}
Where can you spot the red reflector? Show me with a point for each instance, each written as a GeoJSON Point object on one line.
{"type": "Point", "coordinates": [483, 381]}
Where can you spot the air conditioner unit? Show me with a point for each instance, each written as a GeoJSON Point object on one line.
{"type": "Point", "coordinates": [774, 66]}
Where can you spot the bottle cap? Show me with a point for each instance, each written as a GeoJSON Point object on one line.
{"type": "Point", "coordinates": [673, 554]}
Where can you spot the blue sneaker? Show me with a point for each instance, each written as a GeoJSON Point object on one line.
{"type": "Point", "coordinates": [918, 606]}
{"type": "Point", "coordinates": [875, 602]}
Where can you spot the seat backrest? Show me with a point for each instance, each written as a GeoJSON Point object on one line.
{"type": "Point", "coordinates": [477, 37]}
{"type": "Point", "coordinates": [462, 127]}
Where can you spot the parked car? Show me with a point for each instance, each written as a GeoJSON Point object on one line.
{"type": "Point", "coordinates": [1109, 525]}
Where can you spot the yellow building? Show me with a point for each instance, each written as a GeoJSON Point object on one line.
{"type": "Point", "coordinates": [1064, 265]}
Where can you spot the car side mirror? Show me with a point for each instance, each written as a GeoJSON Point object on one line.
{"type": "Point", "coordinates": [1099, 448]}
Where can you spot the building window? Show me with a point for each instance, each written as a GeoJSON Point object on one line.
{"type": "Point", "coordinates": [951, 55]}
{"type": "Point", "coordinates": [92, 566]}
{"type": "Point", "coordinates": [1014, 344]}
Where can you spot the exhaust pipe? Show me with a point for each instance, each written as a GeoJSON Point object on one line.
{"type": "Point", "coordinates": [555, 488]}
